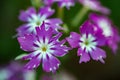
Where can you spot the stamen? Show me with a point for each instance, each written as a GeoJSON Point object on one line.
{"type": "Point", "coordinates": [86, 42]}
{"type": "Point", "coordinates": [38, 23]}
{"type": "Point", "coordinates": [44, 49]}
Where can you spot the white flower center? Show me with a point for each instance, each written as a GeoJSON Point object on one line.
{"type": "Point", "coordinates": [43, 47]}
{"type": "Point", "coordinates": [34, 21]}
{"type": "Point", "coordinates": [87, 42]}
{"type": "Point", "coordinates": [106, 27]}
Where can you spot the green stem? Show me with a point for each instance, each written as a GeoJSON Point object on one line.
{"type": "Point", "coordinates": [80, 16]}
{"type": "Point", "coordinates": [61, 13]}
{"type": "Point", "coordinates": [66, 29]}
{"type": "Point", "coordinates": [36, 3]}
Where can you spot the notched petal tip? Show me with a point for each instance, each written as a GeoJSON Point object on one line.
{"type": "Point", "coordinates": [84, 57]}
{"type": "Point", "coordinates": [83, 61]}
{"type": "Point", "coordinates": [101, 60]}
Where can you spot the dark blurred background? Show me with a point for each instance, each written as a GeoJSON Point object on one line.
{"type": "Point", "coordinates": [9, 47]}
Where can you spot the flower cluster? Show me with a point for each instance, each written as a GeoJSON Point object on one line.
{"type": "Point", "coordinates": [40, 35]}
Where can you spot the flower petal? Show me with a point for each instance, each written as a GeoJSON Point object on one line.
{"type": "Point", "coordinates": [27, 42]}
{"type": "Point", "coordinates": [43, 33]}
{"type": "Point", "coordinates": [73, 40]}
{"type": "Point", "coordinates": [114, 40]}
{"type": "Point", "coordinates": [46, 11]}
{"type": "Point", "coordinates": [24, 15]}
{"type": "Point", "coordinates": [66, 3]}
{"type": "Point", "coordinates": [33, 63]}
{"type": "Point", "coordinates": [54, 21]}
{"type": "Point", "coordinates": [60, 50]}
{"type": "Point", "coordinates": [50, 63]}
{"type": "Point", "coordinates": [84, 56]}
{"type": "Point", "coordinates": [87, 27]}
{"type": "Point", "coordinates": [54, 24]}
{"type": "Point", "coordinates": [22, 30]}
{"type": "Point", "coordinates": [98, 54]}
{"type": "Point", "coordinates": [101, 40]}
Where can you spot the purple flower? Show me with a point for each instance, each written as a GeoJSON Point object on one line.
{"type": "Point", "coordinates": [95, 5]}
{"type": "Point", "coordinates": [66, 3]}
{"type": "Point", "coordinates": [108, 30]}
{"type": "Point", "coordinates": [43, 47]}
{"type": "Point", "coordinates": [88, 43]}
{"type": "Point", "coordinates": [34, 19]}
{"type": "Point", "coordinates": [61, 3]}
{"type": "Point", "coordinates": [14, 71]}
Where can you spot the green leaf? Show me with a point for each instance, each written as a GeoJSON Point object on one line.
{"type": "Point", "coordinates": [20, 56]}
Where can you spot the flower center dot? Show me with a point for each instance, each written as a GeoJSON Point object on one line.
{"type": "Point", "coordinates": [44, 49]}
{"type": "Point", "coordinates": [38, 23]}
{"type": "Point", "coordinates": [86, 42]}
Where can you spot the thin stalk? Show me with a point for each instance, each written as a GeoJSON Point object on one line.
{"type": "Point", "coordinates": [65, 28]}
{"type": "Point", "coordinates": [79, 16]}
{"type": "Point", "coordinates": [61, 13]}
{"type": "Point", "coordinates": [36, 3]}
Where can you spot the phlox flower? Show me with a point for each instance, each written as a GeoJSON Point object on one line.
{"type": "Point", "coordinates": [88, 43]}
{"type": "Point", "coordinates": [43, 48]}
{"type": "Point", "coordinates": [33, 19]}
{"type": "Point", "coordinates": [108, 29]}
